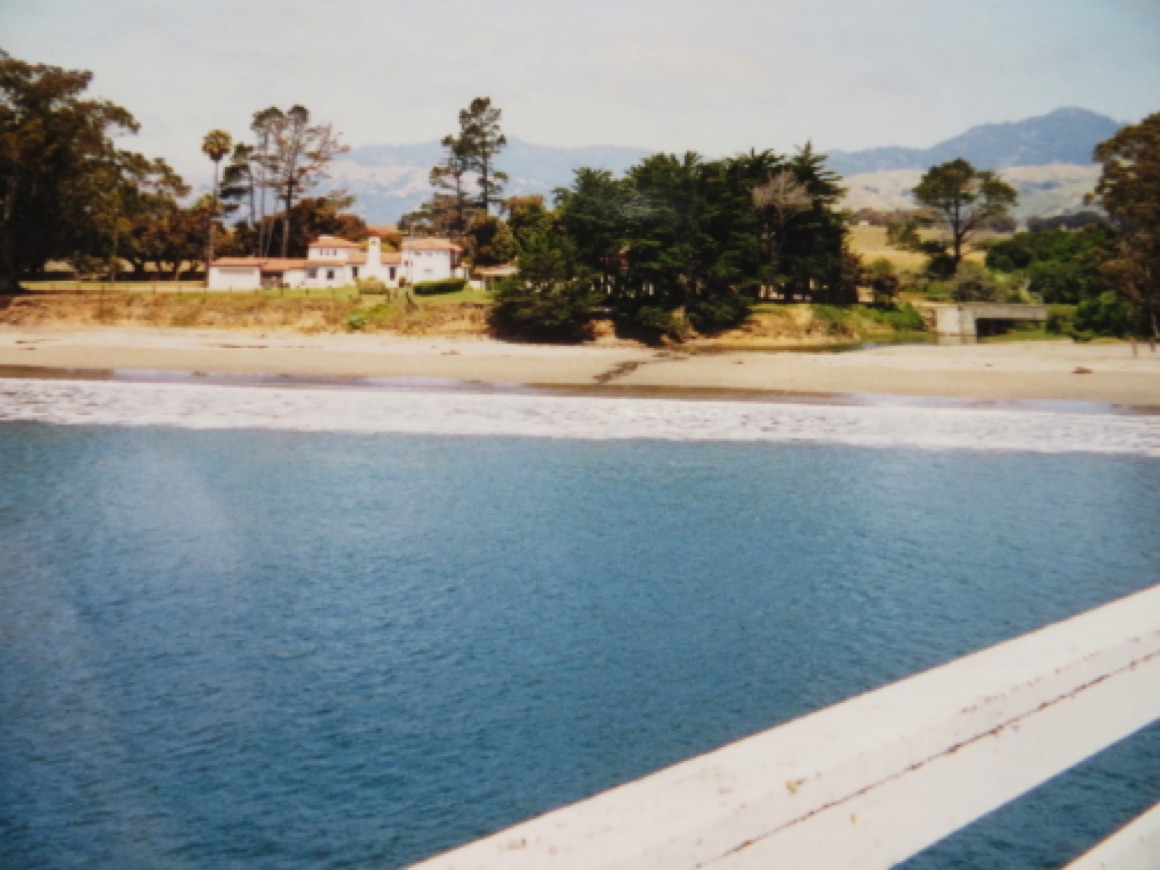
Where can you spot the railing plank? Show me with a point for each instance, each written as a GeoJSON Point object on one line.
{"type": "Point", "coordinates": [870, 781]}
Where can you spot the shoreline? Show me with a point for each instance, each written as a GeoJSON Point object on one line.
{"type": "Point", "coordinates": [1018, 372]}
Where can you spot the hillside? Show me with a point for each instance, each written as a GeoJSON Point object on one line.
{"type": "Point", "coordinates": [1045, 191]}
{"type": "Point", "coordinates": [1062, 136]}
{"type": "Point", "coordinates": [389, 180]}
{"type": "Point", "coordinates": [1048, 158]}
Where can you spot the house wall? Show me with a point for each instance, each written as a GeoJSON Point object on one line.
{"type": "Point", "coordinates": [322, 252]}
{"type": "Point", "coordinates": [328, 276]}
{"type": "Point", "coordinates": [234, 278]}
{"type": "Point", "coordinates": [421, 266]}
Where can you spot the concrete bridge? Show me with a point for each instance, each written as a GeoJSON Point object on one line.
{"type": "Point", "coordinates": [962, 320]}
{"type": "Point", "coordinates": [871, 781]}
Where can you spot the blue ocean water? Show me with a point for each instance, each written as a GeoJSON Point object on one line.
{"type": "Point", "coordinates": [304, 649]}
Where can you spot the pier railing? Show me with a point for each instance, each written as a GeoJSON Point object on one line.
{"type": "Point", "coordinates": [875, 779]}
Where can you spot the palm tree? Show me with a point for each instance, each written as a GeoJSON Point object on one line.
{"type": "Point", "coordinates": [216, 145]}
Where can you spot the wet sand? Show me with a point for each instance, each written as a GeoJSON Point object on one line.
{"type": "Point", "coordinates": [1053, 371]}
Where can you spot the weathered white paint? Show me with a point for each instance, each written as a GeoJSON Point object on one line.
{"type": "Point", "coordinates": [335, 262]}
{"type": "Point", "coordinates": [962, 320]}
{"type": "Point", "coordinates": [234, 277]}
{"type": "Point", "coordinates": [873, 780]}
{"type": "Point", "coordinates": [1134, 847]}
{"type": "Point", "coordinates": [429, 260]}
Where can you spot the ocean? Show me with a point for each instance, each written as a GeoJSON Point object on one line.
{"type": "Point", "coordinates": [352, 627]}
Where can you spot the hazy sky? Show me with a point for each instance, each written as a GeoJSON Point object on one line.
{"type": "Point", "coordinates": [718, 76]}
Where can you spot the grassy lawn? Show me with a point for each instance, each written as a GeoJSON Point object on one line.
{"type": "Point", "coordinates": [198, 287]}
{"type": "Point", "coordinates": [468, 295]}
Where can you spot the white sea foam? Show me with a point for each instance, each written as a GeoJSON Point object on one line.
{"type": "Point", "coordinates": [118, 403]}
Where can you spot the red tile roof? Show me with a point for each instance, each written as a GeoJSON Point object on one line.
{"type": "Point", "coordinates": [277, 264]}
{"type": "Point", "coordinates": [430, 245]}
{"type": "Point", "coordinates": [253, 262]}
{"type": "Point", "coordinates": [332, 242]}
{"type": "Point", "coordinates": [266, 264]}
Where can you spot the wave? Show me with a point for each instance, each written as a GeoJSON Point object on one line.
{"type": "Point", "coordinates": [120, 403]}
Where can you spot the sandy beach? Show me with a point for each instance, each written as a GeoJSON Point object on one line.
{"type": "Point", "coordinates": [1057, 371]}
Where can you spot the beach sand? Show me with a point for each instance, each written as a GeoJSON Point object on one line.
{"type": "Point", "coordinates": [1059, 371]}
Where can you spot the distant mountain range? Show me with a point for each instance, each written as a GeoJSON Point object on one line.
{"type": "Point", "coordinates": [1062, 136]}
{"type": "Point", "coordinates": [389, 180]}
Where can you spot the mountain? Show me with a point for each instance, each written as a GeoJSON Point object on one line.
{"type": "Point", "coordinates": [389, 180]}
{"type": "Point", "coordinates": [1062, 136]}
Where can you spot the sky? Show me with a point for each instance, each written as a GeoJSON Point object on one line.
{"type": "Point", "coordinates": [715, 76]}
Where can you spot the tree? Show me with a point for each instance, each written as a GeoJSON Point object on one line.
{"type": "Point", "coordinates": [312, 217]}
{"type": "Point", "coordinates": [490, 242]}
{"type": "Point", "coordinates": [781, 198]}
{"type": "Point", "coordinates": [450, 179]}
{"type": "Point", "coordinates": [527, 215]}
{"type": "Point", "coordinates": [263, 165]}
{"type": "Point", "coordinates": [1129, 191]}
{"type": "Point", "coordinates": [297, 158]}
{"type": "Point", "coordinates": [964, 199]}
{"type": "Point", "coordinates": [594, 215]}
{"type": "Point", "coordinates": [215, 146]}
{"type": "Point", "coordinates": [238, 185]}
{"type": "Point", "coordinates": [61, 176]}
{"type": "Point", "coordinates": [480, 140]}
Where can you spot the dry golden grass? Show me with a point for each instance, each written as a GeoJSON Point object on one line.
{"type": "Point", "coordinates": [870, 242]}
{"type": "Point", "coordinates": [242, 311]}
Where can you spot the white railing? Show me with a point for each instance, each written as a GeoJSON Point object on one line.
{"type": "Point", "coordinates": [875, 779]}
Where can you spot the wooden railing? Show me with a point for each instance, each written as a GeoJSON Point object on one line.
{"type": "Point", "coordinates": [875, 779]}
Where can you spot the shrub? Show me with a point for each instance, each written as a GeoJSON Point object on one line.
{"type": "Point", "coordinates": [356, 321]}
{"type": "Point", "coordinates": [884, 284]}
{"type": "Point", "coordinates": [436, 288]}
{"type": "Point", "coordinates": [1060, 319]}
{"type": "Point", "coordinates": [654, 322]}
{"type": "Point", "coordinates": [902, 318]}
{"type": "Point", "coordinates": [1105, 315]}
{"type": "Point", "coordinates": [1066, 282]}
{"type": "Point", "coordinates": [718, 311]}
{"type": "Point", "coordinates": [559, 312]}
{"type": "Point", "coordinates": [370, 285]}
{"type": "Point", "coordinates": [973, 285]}
{"type": "Point", "coordinates": [833, 321]}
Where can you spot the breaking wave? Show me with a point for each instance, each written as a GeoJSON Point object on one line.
{"type": "Point", "coordinates": [121, 403]}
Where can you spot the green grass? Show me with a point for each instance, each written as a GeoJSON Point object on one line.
{"type": "Point", "coordinates": [467, 295]}
{"type": "Point", "coordinates": [779, 309]}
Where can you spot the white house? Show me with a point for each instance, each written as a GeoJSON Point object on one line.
{"type": "Point", "coordinates": [335, 262]}
{"type": "Point", "coordinates": [430, 260]}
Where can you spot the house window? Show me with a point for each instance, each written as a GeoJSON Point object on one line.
{"type": "Point", "coordinates": [354, 271]}
{"type": "Point", "coordinates": [392, 273]}
{"type": "Point", "coordinates": [329, 274]}
{"type": "Point", "coordinates": [311, 273]}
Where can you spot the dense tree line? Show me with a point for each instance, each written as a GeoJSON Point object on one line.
{"type": "Point", "coordinates": [679, 243]}
{"type": "Point", "coordinates": [68, 192]}
{"type": "Point", "coordinates": [1129, 192]}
